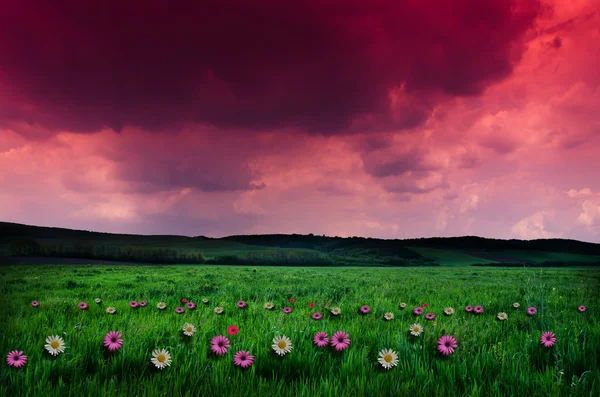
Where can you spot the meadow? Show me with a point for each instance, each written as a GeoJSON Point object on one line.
{"type": "Point", "coordinates": [493, 357]}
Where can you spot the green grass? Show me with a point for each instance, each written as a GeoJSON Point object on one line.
{"type": "Point", "coordinates": [493, 358]}
{"type": "Point", "coordinates": [542, 256]}
{"type": "Point", "coordinates": [449, 258]}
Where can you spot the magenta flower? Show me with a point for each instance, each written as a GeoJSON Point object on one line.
{"type": "Point", "coordinates": [340, 341]}
{"type": "Point", "coordinates": [548, 339]}
{"type": "Point", "coordinates": [113, 340]}
{"type": "Point", "coordinates": [133, 304]}
{"type": "Point", "coordinates": [418, 311]}
{"type": "Point", "coordinates": [191, 305]}
{"type": "Point", "coordinates": [241, 304]}
{"type": "Point", "coordinates": [478, 309]}
{"type": "Point", "coordinates": [243, 359]}
{"type": "Point", "coordinates": [83, 305]}
{"type": "Point", "coordinates": [531, 311]}
{"type": "Point", "coordinates": [469, 309]}
{"type": "Point", "coordinates": [143, 304]}
{"type": "Point", "coordinates": [219, 345]}
{"type": "Point", "coordinates": [365, 309]}
{"type": "Point", "coordinates": [321, 339]}
{"type": "Point", "coordinates": [36, 304]}
{"type": "Point", "coordinates": [581, 308]}
{"type": "Point", "coordinates": [16, 359]}
{"type": "Point", "coordinates": [430, 316]}
{"type": "Point", "coordinates": [446, 345]}
{"type": "Point", "coordinates": [317, 316]}
{"type": "Point", "coordinates": [287, 310]}
{"type": "Point", "coordinates": [179, 310]}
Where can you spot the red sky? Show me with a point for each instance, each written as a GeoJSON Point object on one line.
{"type": "Point", "coordinates": [391, 119]}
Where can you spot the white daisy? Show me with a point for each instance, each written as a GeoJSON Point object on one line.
{"type": "Point", "coordinates": [336, 311]}
{"type": "Point", "coordinates": [55, 345]}
{"type": "Point", "coordinates": [502, 316]}
{"type": "Point", "coordinates": [269, 305]}
{"type": "Point", "coordinates": [516, 305]}
{"type": "Point", "coordinates": [282, 345]}
{"type": "Point", "coordinates": [97, 300]}
{"type": "Point", "coordinates": [218, 310]}
{"type": "Point", "coordinates": [189, 329]}
{"type": "Point", "coordinates": [402, 305]}
{"type": "Point", "coordinates": [449, 311]}
{"type": "Point", "coordinates": [416, 329]}
{"type": "Point", "coordinates": [388, 316]}
{"type": "Point", "coordinates": [161, 358]}
{"type": "Point", "coordinates": [205, 301]}
{"type": "Point", "coordinates": [111, 310]}
{"type": "Point", "coordinates": [161, 305]}
{"type": "Point", "coordinates": [388, 358]}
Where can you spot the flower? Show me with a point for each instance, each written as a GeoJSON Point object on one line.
{"type": "Point", "coordinates": [287, 310]}
{"type": "Point", "coordinates": [241, 304]}
{"type": "Point", "coordinates": [388, 316]}
{"type": "Point", "coordinates": [161, 305]}
{"type": "Point", "coordinates": [16, 359]}
{"type": "Point", "coordinates": [365, 309]}
{"type": "Point", "coordinates": [388, 358]}
{"type": "Point", "coordinates": [340, 341]}
{"type": "Point", "coordinates": [190, 305]}
{"type": "Point", "coordinates": [429, 316]}
{"type": "Point", "coordinates": [424, 305]}
{"type": "Point", "coordinates": [83, 305]}
{"type": "Point", "coordinates": [516, 305]}
{"type": "Point", "coordinates": [449, 311]}
{"type": "Point", "coordinates": [218, 310]}
{"type": "Point", "coordinates": [113, 340]}
{"type": "Point", "coordinates": [469, 308]}
{"type": "Point", "coordinates": [417, 311]}
{"type": "Point", "coordinates": [531, 311]}
{"type": "Point", "coordinates": [317, 316]}
{"type": "Point", "coordinates": [133, 304]}
{"type": "Point", "coordinates": [292, 300]}
{"type": "Point", "coordinates": [98, 300]}
{"type": "Point", "coordinates": [35, 303]}
{"type": "Point", "coordinates": [189, 329]}
{"type": "Point", "coordinates": [402, 306]}
{"type": "Point", "coordinates": [219, 345]}
{"type": "Point", "coordinates": [548, 339]}
{"type": "Point", "coordinates": [243, 359]}
{"type": "Point", "coordinates": [336, 311]}
{"type": "Point", "coordinates": [269, 305]}
{"type": "Point", "coordinates": [282, 345]}
{"type": "Point", "coordinates": [233, 330]}
{"type": "Point", "coordinates": [183, 300]}
{"type": "Point", "coordinates": [478, 309]}
{"type": "Point", "coordinates": [179, 310]}
{"type": "Point", "coordinates": [111, 310]}
{"type": "Point", "coordinates": [502, 316]}
{"type": "Point", "coordinates": [161, 358]}
{"type": "Point", "coordinates": [416, 329]}
{"type": "Point", "coordinates": [446, 345]}
{"type": "Point", "coordinates": [311, 305]}
{"type": "Point", "coordinates": [143, 303]}
{"type": "Point", "coordinates": [581, 308]}
{"type": "Point", "coordinates": [205, 301]}
{"type": "Point", "coordinates": [321, 339]}
{"type": "Point", "coordinates": [55, 345]}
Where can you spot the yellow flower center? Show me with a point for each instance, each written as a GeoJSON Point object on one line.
{"type": "Point", "coordinates": [189, 329]}
{"type": "Point", "coordinates": [55, 344]}
{"type": "Point", "coordinates": [282, 344]}
{"type": "Point", "coordinates": [161, 358]}
{"type": "Point", "coordinates": [388, 358]}
{"type": "Point", "coordinates": [416, 329]}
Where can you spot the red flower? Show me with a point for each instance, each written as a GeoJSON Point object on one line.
{"type": "Point", "coordinates": [183, 300]}
{"type": "Point", "coordinates": [292, 300]}
{"type": "Point", "coordinates": [311, 305]}
{"type": "Point", "coordinates": [232, 330]}
{"type": "Point", "coordinates": [424, 305]}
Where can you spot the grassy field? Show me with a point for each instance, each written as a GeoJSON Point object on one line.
{"type": "Point", "coordinates": [492, 358]}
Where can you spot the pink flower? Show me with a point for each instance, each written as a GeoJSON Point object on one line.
{"type": "Point", "coordinates": [179, 310]}
{"type": "Point", "coordinates": [317, 316]}
{"type": "Point", "coordinates": [365, 309]}
{"type": "Point", "coordinates": [581, 308]}
{"type": "Point", "coordinates": [548, 339]}
{"type": "Point", "coordinates": [424, 305]}
{"type": "Point", "coordinates": [340, 341]}
{"type": "Point", "coordinates": [243, 359]}
{"type": "Point", "coordinates": [143, 303]}
{"type": "Point", "coordinates": [311, 305]}
{"type": "Point", "coordinates": [469, 309]}
{"type": "Point", "coordinates": [191, 305]}
{"type": "Point", "coordinates": [16, 359]}
{"type": "Point", "coordinates": [417, 311]}
{"type": "Point", "coordinates": [36, 304]}
{"type": "Point", "coordinates": [478, 309]}
{"type": "Point", "coordinates": [446, 345]}
{"type": "Point", "coordinates": [113, 340]}
{"type": "Point", "coordinates": [219, 345]}
{"type": "Point", "coordinates": [133, 304]}
{"type": "Point", "coordinates": [321, 339]}
{"type": "Point", "coordinates": [531, 311]}
{"type": "Point", "coordinates": [83, 305]}
{"type": "Point", "coordinates": [287, 310]}
{"type": "Point", "coordinates": [292, 300]}
{"type": "Point", "coordinates": [430, 316]}
{"type": "Point", "coordinates": [241, 304]}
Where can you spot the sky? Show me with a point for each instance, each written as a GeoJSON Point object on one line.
{"type": "Point", "coordinates": [387, 118]}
